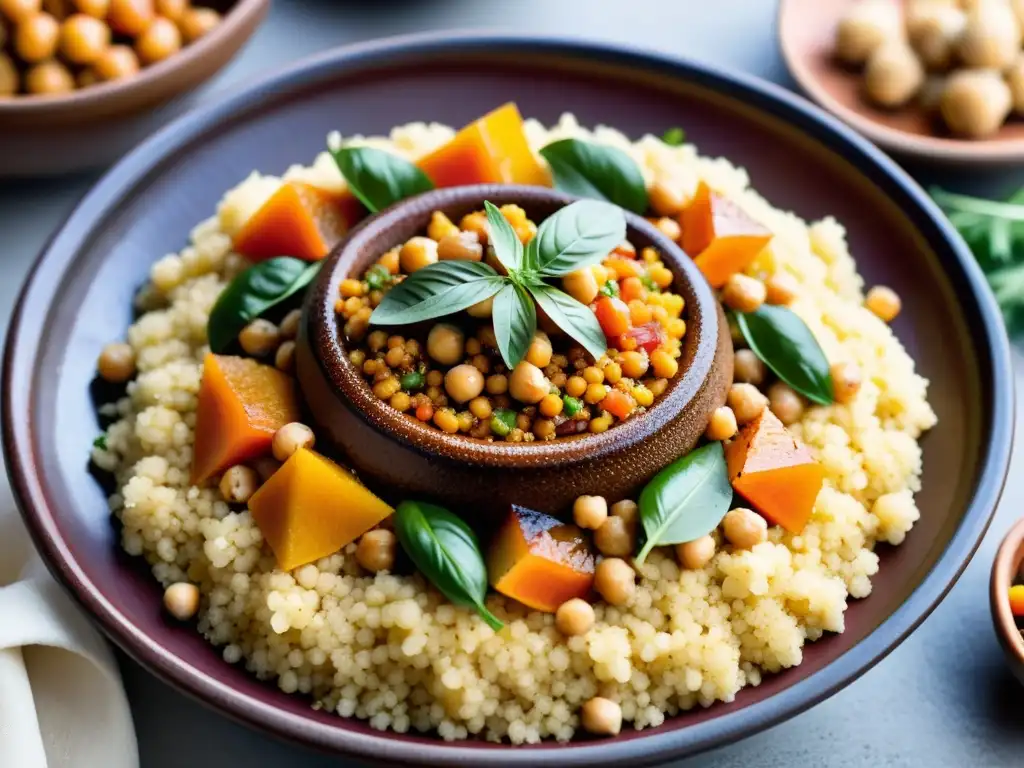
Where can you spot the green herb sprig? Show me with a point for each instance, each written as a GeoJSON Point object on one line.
{"type": "Point", "coordinates": [674, 137]}
{"type": "Point", "coordinates": [579, 235]}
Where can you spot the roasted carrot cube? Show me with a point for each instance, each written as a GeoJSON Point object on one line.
{"type": "Point", "coordinates": [540, 561]}
{"type": "Point", "coordinates": [492, 150]}
{"type": "Point", "coordinates": [618, 404]}
{"type": "Point", "coordinates": [775, 472]}
{"type": "Point", "coordinates": [311, 507]}
{"type": "Point", "coordinates": [298, 220]}
{"type": "Point", "coordinates": [241, 405]}
{"type": "Point", "coordinates": [613, 316]}
{"type": "Point", "coordinates": [720, 236]}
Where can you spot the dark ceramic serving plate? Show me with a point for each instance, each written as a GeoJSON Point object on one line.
{"type": "Point", "coordinates": [80, 296]}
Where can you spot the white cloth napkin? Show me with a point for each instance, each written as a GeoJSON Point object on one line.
{"type": "Point", "coordinates": [62, 704]}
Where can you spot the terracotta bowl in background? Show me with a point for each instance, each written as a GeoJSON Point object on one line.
{"type": "Point", "coordinates": [80, 294]}
{"type": "Point", "coordinates": [406, 458]}
{"type": "Point", "coordinates": [91, 127]}
{"type": "Point", "coordinates": [1005, 572]}
{"type": "Point", "coordinates": [806, 30]}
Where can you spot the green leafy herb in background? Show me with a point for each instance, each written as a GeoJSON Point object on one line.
{"type": "Point", "coordinates": [446, 551]}
{"type": "Point", "coordinates": [598, 171]}
{"type": "Point", "coordinates": [100, 442]}
{"type": "Point", "coordinates": [674, 137]}
{"type": "Point", "coordinates": [255, 292]}
{"type": "Point", "coordinates": [994, 231]}
{"type": "Point", "coordinates": [378, 178]}
{"type": "Point", "coordinates": [686, 500]}
{"type": "Point", "coordinates": [785, 344]}
{"type": "Point", "coordinates": [580, 234]}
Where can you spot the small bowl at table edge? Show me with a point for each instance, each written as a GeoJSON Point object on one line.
{"type": "Point", "coordinates": [1005, 570]}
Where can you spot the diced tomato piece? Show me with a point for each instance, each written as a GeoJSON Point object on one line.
{"type": "Point", "coordinates": [613, 315]}
{"type": "Point", "coordinates": [618, 404]}
{"type": "Point", "coordinates": [631, 288]}
{"type": "Point", "coordinates": [649, 336]}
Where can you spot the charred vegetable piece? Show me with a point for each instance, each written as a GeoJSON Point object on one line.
{"type": "Point", "coordinates": [540, 561]}
{"type": "Point", "coordinates": [491, 150]}
{"type": "Point", "coordinates": [298, 220]}
{"type": "Point", "coordinates": [720, 237]}
{"type": "Point", "coordinates": [310, 508]}
{"type": "Point", "coordinates": [242, 404]}
{"type": "Point", "coordinates": [774, 472]}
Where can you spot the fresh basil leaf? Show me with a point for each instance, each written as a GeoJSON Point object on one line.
{"type": "Point", "coordinates": [515, 323]}
{"type": "Point", "coordinates": [442, 288]}
{"type": "Point", "coordinates": [685, 500]}
{"type": "Point", "coordinates": [506, 243]}
{"type": "Point", "coordinates": [577, 236]}
{"type": "Point", "coordinates": [576, 319]}
{"type": "Point", "coordinates": [598, 171]}
{"type": "Point", "coordinates": [254, 292]}
{"type": "Point", "coordinates": [446, 551]}
{"type": "Point", "coordinates": [674, 137]}
{"type": "Point", "coordinates": [378, 178]}
{"type": "Point", "coordinates": [785, 344]}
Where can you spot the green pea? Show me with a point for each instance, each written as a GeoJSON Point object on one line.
{"type": "Point", "coordinates": [571, 406]}
{"type": "Point", "coordinates": [377, 277]}
{"type": "Point", "coordinates": [412, 381]}
{"type": "Point", "coordinates": [503, 421]}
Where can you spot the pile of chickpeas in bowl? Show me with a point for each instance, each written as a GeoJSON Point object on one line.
{"type": "Point", "coordinates": [450, 375]}
{"type": "Point", "coordinates": [51, 47]}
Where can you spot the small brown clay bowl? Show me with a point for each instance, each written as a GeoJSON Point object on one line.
{"type": "Point", "coordinates": [1005, 573]}
{"type": "Point", "coordinates": [399, 454]}
{"type": "Point", "coordinates": [91, 127]}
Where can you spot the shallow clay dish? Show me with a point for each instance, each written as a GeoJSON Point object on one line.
{"type": "Point", "coordinates": [80, 296]}
{"type": "Point", "coordinates": [90, 128]}
{"type": "Point", "coordinates": [404, 457]}
{"type": "Point", "coordinates": [1005, 572]}
{"type": "Point", "coordinates": [806, 31]}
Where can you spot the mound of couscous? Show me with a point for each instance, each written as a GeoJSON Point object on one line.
{"type": "Point", "coordinates": [389, 647]}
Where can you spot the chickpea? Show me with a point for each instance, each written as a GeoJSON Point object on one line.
{"type": "Point", "coordinates": [289, 327]}
{"type": "Point", "coordinates": [116, 363]}
{"type": "Point", "coordinates": [239, 483]}
{"type": "Point", "coordinates": [748, 368]}
{"type": "Point", "coordinates": [574, 617]}
{"type": "Point", "coordinates": [482, 309]}
{"type": "Point", "coordinates": [8, 76]}
{"type": "Point", "coordinates": [665, 198]}
{"type": "Point", "coordinates": [746, 402]}
{"type": "Point", "coordinates": [743, 293]}
{"type": "Point", "coordinates": [551, 406]}
{"type": "Point", "coordinates": [884, 302]}
{"type": "Point", "coordinates": [781, 288]}
{"type": "Point", "coordinates": [376, 550]}
{"type": "Point", "coordinates": [975, 102]}
{"type": "Point", "coordinates": [626, 510]}
{"type": "Point", "coordinates": [694, 555]}
{"type": "Point", "coordinates": [1015, 79]}
{"type": "Point", "coordinates": [527, 384]}
{"type": "Point", "coordinates": [497, 384]}
{"type": "Point", "coordinates": [48, 79]}
{"type": "Point", "coordinates": [866, 26]}
{"type": "Point", "coordinates": [161, 40]}
{"type": "Point", "coordinates": [35, 38]}
{"type": "Point", "coordinates": [785, 403]}
{"type": "Point", "coordinates": [196, 22]}
{"type": "Point", "coordinates": [721, 425]}
{"type": "Point", "coordinates": [284, 358]}
{"type": "Point", "coordinates": [19, 10]}
{"type": "Point", "coordinates": [181, 600]}
{"type": "Point", "coordinates": [669, 227]}
{"type": "Point", "coordinates": [601, 717]}
{"type": "Point", "coordinates": [581, 285]}
{"type": "Point", "coordinates": [634, 364]}
{"type": "Point", "coordinates": [539, 351]}
{"type": "Point", "coordinates": [446, 343]}
{"type": "Point", "coordinates": [83, 39]}
{"type": "Point", "coordinates": [614, 538]}
{"type": "Point", "coordinates": [463, 383]}
{"type": "Point", "coordinates": [991, 37]}
{"type": "Point", "coordinates": [171, 9]}
{"type": "Point", "coordinates": [130, 17]}
{"type": "Point", "coordinates": [290, 438]}
{"type": "Point", "coordinates": [846, 381]}
{"type": "Point", "coordinates": [95, 8]}
{"type": "Point", "coordinates": [893, 75]}
{"type": "Point", "coordinates": [590, 512]}
{"type": "Point", "coordinates": [116, 62]}
{"type": "Point", "coordinates": [933, 30]}
{"type": "Point", "coordinates": [744, 528]}
{"type": "Point", "coordinates": [614, 581]}
{"type": "Point", "coordinates": [259, 338]}
{"type": "Point", "coordinates": [461, 246]}
{"type": "Point", "coordinates": [663, 364]}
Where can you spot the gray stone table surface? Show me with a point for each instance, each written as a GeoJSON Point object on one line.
{"type": "Point", "coordinates": [943, 699]}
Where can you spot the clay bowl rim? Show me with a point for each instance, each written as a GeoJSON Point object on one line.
{"type": "Point", "coordinates": [132, 93]}
{"type": "Point", "coordinates": [946, 149]}
{"type": "Point", "coordinates": [349, 386]}
{"type": "Point", "coordinates": [30, 492]}
{"type": "Point", "coordinates": [1006, 566]}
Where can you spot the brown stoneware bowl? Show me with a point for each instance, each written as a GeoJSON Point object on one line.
{"type": "Point", "coordinates": [80, 293]}
{"type": "Point", "coordinates": [806, 30]}
{"type": "Point", "coordinates": [1006, 571]}
{"type": "Point", "coordinates": [403, 456]}
{"type": "Point", "coordinates": [91, 127]}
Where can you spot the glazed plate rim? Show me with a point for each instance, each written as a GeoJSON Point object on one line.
{"type": "Point", "coordinates": [34, 303]}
